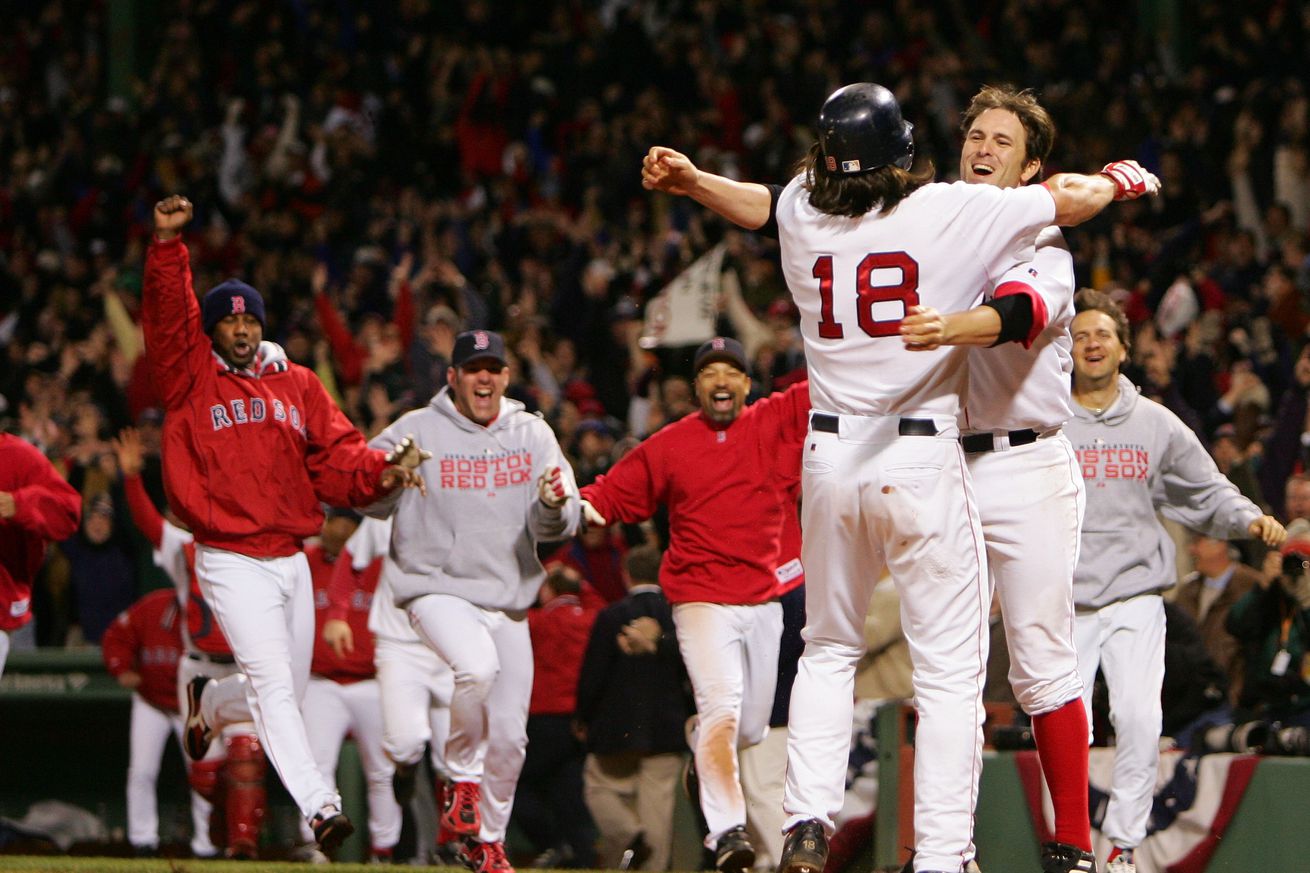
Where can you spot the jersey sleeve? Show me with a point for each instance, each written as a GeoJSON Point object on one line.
{"type": "Point", "coordinates": [176, 343]}
{"type": "Point", "coordinates": [1193, 492]}
{"type": "Point", "coordinates": [144, 514]}
{"type": "Point", "coordinates": [1006, 222]}
{"type": "Point", "coordinates": [119, 643]}
{"type": "Point", "coordinates": [345, 470]}
{"type": "Point", "coordinates": [1047, 280]}
{"type": "Point", "coordinates": [44, 504]}
{"type": "Point", "coordinates": [630, 491]}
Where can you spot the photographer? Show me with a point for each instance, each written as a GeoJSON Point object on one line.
{"type": "Point", "coordinates": [1272, 623]}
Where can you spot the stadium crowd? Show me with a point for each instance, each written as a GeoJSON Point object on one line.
{"type": "Point", "coordinates": [388, 175]}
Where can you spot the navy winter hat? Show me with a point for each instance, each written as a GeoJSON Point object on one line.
{"type": "Point", "coordinates": [230, 298]}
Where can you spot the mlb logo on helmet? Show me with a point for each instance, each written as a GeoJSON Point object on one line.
{"type": "Point", "coordinates": [850, 166]}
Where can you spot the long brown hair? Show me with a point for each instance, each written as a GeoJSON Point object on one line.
{"type": "Point", "coordinates": [856, 194]}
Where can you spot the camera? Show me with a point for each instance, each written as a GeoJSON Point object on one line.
{"type": "Point", "coordinates": [1295, 564]}
{"type": "Point", "coordinates": [1246, 738]}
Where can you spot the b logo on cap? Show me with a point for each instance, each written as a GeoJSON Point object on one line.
{"type": "Point", "coordinates": [238, 304]}
{"type": "Point", "coordinates": [717, 344]}
{"type": "Point", "coordinates": [480, 340]}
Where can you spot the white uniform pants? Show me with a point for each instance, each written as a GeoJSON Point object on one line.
{"type": "Point", "coordinates": [266, 610]}
{"type": "Point", "coordinates": [1126, 640]}
{"type": "Point", "coordinates": [878, 501]}
{"type": "Point", "coordinates": [490, 653]}
{"type": "Point", "coordinates": [1031, 500]}
{"type": "Point", "coordinates": [4, 650]}
{"type": "Point", "coordinates": [731, 653]}
{"type": "Point", "coordinates": [416, 688]}
{"type": "Point", "coordinates": [150, 728]}
{"type": "Point", "coordinates": [630, 794]}
{"type": "Point", "coordinates": [332, 710]}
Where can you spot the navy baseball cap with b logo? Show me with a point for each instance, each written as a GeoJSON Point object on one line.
{"type": "Point", "coordinates": [721, 348]}
{"type": "Point", "coordinates": [232, 297]}
{"type": "Point", "coordinates": [472, 345]}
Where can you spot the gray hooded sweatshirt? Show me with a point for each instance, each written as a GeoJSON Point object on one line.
{"type": "Point", "coordinates": [1138, 457]}
{"type": "Point", "coordinates": [475, 535]}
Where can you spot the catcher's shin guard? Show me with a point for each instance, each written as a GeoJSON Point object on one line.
{"type": "Point", "coordinates": [246, 801]}
{"type": "Point", "coordinates": [204, 776]}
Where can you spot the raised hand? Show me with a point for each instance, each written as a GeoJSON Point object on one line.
{"type": "Point", "coordinates": [672, 172]}
{"type": "Point", "coordinates": [171, 215]}
{"type": "Point", "coordinates": [129, 451]}
{"type": "Point", "coordinates": [1130, 179]}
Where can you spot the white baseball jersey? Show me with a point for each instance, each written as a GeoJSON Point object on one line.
{"type": "Point", "coordinates": [854, 278]}
{"type": "Point", "coordinates": [1026, 385]}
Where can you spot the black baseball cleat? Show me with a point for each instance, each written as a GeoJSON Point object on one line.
{"type": "Point", "coordinates": [331, 827]}
{"type": "Point", "coordinates": [198, 734]}
{"type": "Point", "coordinates": [403, 782]}
{"type": "Point", "coordinates": [805, 848]}
{"type": "Point", "coordinates": [733, 852]}
{"type": "Point", "coordinates": [1064, 858]}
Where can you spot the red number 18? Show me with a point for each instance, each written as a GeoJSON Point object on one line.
{"type": "Point", "coordinates": [867, 294]}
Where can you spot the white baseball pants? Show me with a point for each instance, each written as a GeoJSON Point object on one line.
{"type": "Point", "coordinates": [731, 654]}
{"type": "Point", "coordinates": [877, 501]}
{"type": "Point", "coordinates": [1031, 500]}
{"type": "Point", "coordinates": [150, 728]}
{"type": "Point", "coordinates": [332, 710]}
{"type": "Point", "coordinates": [416, 687]}
{"type": "Point", "coordinates": [4, 650]}
{"type": "Point", "coordinates": [490, 653]}
{"type": "Point", "coordinates": [266, 610]}
{"type": "Point", "coordinates": [1126, 640]}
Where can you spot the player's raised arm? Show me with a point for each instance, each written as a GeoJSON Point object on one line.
{"type": "Point", "coordinates": [743, 203]}
{"type": "Point", "coordinates": [1079, 198]}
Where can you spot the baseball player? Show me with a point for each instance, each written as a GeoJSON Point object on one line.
{"type": "Point", "coordinates": [1137, 459]}
{"type": "Point", "coordinates": [141, 649]}
{"type": "Point", "coordinates": [414, 684]}
{"type": "Point", "coordinates": [342, 697]}
{"type": "Point", "coordinates": [727, 515]}
{"type": "Point", "coordinates": [1025, 477]}
{"type": "Point", "coordinates": [36, 507]}
{"type": "Point", "coordinates": [230, 778]}
{"type": "Point", "coordinates": [252, 443]}
{"type": "Point", "coordinates": [465, 569]}
{"type": "Point", "coordinates": [863, 240]}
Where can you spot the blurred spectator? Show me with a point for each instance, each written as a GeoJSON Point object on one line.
{"type": "Point", "coordinates": [596, 555]}
{"type": "Point", "coordinates": [1208, 593]}
{"type": "Point", "coordinates": [102, 571]}
{"type": "Point", "coordinates": [633, 701]}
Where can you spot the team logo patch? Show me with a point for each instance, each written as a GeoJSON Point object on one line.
{"type": "Point", "coordinates": [831, 163]}
{"type": "Point", "coordinates": [850, 166]}
{"type": "Point", "coordinates": [718, 344]}
{"type": "Point", "coordinates": [1032, 272]}
{"type": "Point", "coordinates": [480, 340]}
{"type": "Point", "coordinates": [238, 304]}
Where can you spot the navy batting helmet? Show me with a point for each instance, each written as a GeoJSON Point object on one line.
{"type": "Point", "coordinates": [861, 129]}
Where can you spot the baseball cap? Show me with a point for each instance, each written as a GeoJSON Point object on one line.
{"type": "Point", "coordinates": [1298, 537]}
{"type": "Point", "coordinates": [230, 298]}
{"type": "Point", "coordinates": [721, 348]}
{"type": "Point", "coordinates": [473, 344]}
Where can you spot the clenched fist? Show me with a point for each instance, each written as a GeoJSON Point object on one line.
{"type": "Point", "coordinates": [550, 487]}
{"type": "Point", "coordinates": [171, 215]}
{"type": "Point", "coordinates": [1130, 179]}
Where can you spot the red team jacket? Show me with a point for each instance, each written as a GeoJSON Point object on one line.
{"type": "Point", "coordinates": [559, 631]}
{"type": "Point", "coordinates": [201, 626]}
{"type": "Point", "coordinates": [342, 593]}
{"type": "Point", "coordinates": [731, 495]}
{"type": "Point", "coordinates": [46, 508]}
{"type": "Point", "coordinates": [146, 637]}
{"type": "Point", "coordinates": [247, 458]}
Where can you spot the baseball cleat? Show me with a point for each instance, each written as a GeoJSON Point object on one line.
{"type": "Point", "coordinates": [1064, 858]}
{"type": "Point", "coordinates": [489, 857]}
{"type": "Point", "coordinates": [733, 853]}
{"type": "Point", "coordinates": [1120, 861]}
{"type": "Point", "coordinates": [198, 734]}
{"type": "Point", "coordinates": [805, 848]}
{"type": "Point", "coordinates": [461, 814]}
{"type": "Point", "coordinates": [331, 827]}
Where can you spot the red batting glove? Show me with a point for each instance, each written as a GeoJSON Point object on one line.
{"type": "Point", "coordinates": [550, 487]}
{"type": "Point", "coordinates": [1130, 180]}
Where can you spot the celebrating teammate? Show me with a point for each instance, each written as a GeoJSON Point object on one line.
{"type": "Point", "coordinates": [36, 507]}
{"type": "Point", "coordinates": [1025, 477]}
{"type": "Point", "coordinates": [252, 443]}
{"type": "Point", "coordinates": [466, 569]}
{"type": "Point", "coordinates": [863, 239]}
{"type": "Point", "coordinates": [733, 539]}
{"type": "Point", "coordinates": [1137, 459]}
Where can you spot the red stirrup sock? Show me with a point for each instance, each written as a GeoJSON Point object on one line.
{"type": "Point", "coordinates": [1061, 737]}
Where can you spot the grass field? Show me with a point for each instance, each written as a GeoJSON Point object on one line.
{"type": "Point", "coordinates": [66, 864]}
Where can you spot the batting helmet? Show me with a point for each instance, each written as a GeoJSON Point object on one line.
{"type": "Point", "coordinates": [861, 129]}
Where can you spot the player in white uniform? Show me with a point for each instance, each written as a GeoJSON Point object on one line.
{"type": "Point", "coordinates": [1025, 476]}
{"type": "Point", "coordinates": [415, 684]}
{"type": "Point", "coordinates": [883, 479]}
